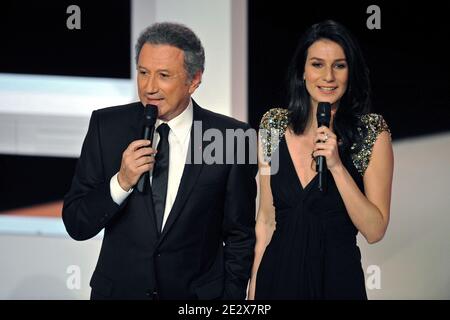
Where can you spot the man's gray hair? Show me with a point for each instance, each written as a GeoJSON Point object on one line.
{"type": "Point", "coordinates": [179, 36]}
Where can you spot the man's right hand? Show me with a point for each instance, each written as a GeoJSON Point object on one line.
{"type": "Point", "coordinates": [137, 158]}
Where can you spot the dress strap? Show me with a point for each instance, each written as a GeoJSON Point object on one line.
{"type": "Point", "coordinates": [374, 125]}
{"type": "Point", "coordinates": [271, 129]}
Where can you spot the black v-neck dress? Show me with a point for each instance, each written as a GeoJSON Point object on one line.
{"type": "Point", "coordinates": [313, 252]}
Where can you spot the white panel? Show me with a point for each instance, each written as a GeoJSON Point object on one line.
{"type": "Point", "coordinates": [211, 21]}
{"type": "Point", "coordinates": [143, 14]}
{"type": "Point", "coordinates": [8, 137]}
{"type": "Point", "coordinates": [414, 255]}
{"type": "Point", "coordinates": [35, 267]}
{"type": "Point", "coordinates": [51, 135]}
{"type": "Point", "coordinates": [61, 95]}
{"type": "Point", "coordinates": [239, 85]}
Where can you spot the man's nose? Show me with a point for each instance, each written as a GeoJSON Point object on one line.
{"type": "Point", "coordinates": [152, 85]}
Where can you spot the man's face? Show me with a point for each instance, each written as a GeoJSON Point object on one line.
{"type": "Point", "coordinates": [163, 81]}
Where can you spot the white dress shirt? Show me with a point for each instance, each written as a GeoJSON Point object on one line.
{"type": "Point", "coordinates": [179, 138]}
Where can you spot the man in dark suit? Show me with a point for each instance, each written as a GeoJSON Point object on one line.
{"type": "Point", "coordinates": [191, 235]}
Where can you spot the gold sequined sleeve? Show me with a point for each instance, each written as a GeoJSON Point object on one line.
{"type": "Point", "coordinates": [374, 124]}
{"type": "Point", "coordinates": [271, 129]}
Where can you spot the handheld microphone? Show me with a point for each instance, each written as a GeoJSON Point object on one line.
{"type": "Point", "coordinates": [150, 116]}
{"type": "Point", "coordinates": [323, 119]}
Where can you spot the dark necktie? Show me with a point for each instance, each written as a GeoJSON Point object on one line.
{"type": "Point", "coordinates": [160, 174]}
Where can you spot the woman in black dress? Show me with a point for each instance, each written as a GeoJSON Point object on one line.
{"type": "Point", "coordinates": [306, 238]}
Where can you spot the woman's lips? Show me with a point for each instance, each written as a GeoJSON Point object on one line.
{"type": "Point", "coordinates": [327, 90]}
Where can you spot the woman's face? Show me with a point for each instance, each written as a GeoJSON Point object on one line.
{"type": "Point", "coordinates": [326, 72]}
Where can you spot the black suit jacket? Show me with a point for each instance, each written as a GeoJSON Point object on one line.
{"type": "Point", "coordinates": [206, 248]}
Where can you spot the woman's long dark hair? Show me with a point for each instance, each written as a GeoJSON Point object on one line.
{"type": "Point", "coordinates": [355, 101]}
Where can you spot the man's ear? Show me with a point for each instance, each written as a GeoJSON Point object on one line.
{"type": "Point", "coordinates": [195, 83]}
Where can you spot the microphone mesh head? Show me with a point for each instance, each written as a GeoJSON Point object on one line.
{"type": "Point", "coordinates": [323, 114]}
{"type": "Point", "coordinates": [150, 114]}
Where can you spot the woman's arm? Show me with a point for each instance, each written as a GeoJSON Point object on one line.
{"type": "Point", "coordinates": [265, 223]}
{"type": "Point", "coordinates": [369, 212]}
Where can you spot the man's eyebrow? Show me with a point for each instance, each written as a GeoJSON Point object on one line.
{"type": "Point", "coordinates": [159, 70]}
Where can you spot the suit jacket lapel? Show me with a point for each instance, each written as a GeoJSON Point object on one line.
{"type": "Point", "coordinates": [190, 173]}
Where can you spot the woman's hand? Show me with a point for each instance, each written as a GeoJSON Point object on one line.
{"type": "Point", "coordinates": [326, 145]}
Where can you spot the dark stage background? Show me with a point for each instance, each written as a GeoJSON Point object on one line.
{"type": "Point", "coordinates": [36, 40]}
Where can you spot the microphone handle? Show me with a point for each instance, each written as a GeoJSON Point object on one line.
{"type": "Point", "coordinates": [143, 182]}
{"type": "Point", "coordinates": [321, 167]}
